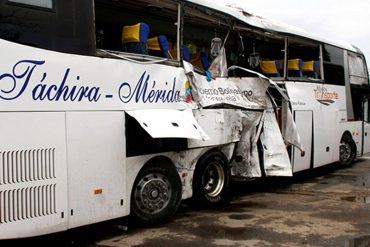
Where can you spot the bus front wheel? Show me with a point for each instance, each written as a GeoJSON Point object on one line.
{"type": "Point", "coordinates": [156, 194]}
{"type": "Point", "coordinates": [347, 150]}
{"type": "Point", "coordinates": [210, 179]}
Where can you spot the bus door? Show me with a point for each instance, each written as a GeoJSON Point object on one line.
{"type": "Point", "coordinates": [303, 121]}
{"type": "Point", "coordinates": [366, 127]}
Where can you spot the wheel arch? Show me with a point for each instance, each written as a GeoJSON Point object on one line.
{"type": "Point", "coordinates": [216, 194]}
{"type": "Point", "coordinates": [156, 159]}
{"type": "Point", "coordinates": [212, 150]}
{"type": "Point", "coordinates": [347, 149]}
{"type": "Point", "coordinates": [217, 150]}
{"type": "Point", "coordinates": [346, 132]}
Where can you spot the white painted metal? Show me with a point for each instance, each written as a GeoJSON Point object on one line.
{"type": "Point", "coordinates": [366, 136]}
{"type": "Point", "coordinates": [304, 122]}
{"type": "Point", "coordinates": [96, 161]}
{"type": "Point", "coordinates": [223, 126]}
{"type": "Point", "coordinates": [326, 137]}
{"type": "Point", "coordinates": [167, 123]}
{"type": "Point", "coordinates": [85, 139]}
{"type": "Point", "coordinates": [275, 156]}
{"type": "Point", "coordinates": [33, 174]}
{"type": "Point", "coordinates": [35, 79]}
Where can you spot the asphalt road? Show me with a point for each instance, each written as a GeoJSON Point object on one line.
{"type": "Point", "coordinates": [326, 207]}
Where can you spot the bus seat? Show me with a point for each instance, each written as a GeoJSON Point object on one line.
{"type": "Point", "coordinates": [310, 68]}
{"type": "Point", "coordinates": [281, 66]}
{"type": "Point", "coordinates": [200, 60]}
{"type": "Point", "coordinates": [158, 46]}
{"type": "Point", "coordinates": [134, 38]}
{"type": "Point", "coordinates": [185, 53]}
{"type": "Point", "coordinates": [204, 60]}
{"type": "Point", "coordinates": [295, 67]}
{"type": "Point", "coordinates": [270, 67]}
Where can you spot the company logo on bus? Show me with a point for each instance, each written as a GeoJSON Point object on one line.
{"type": "Point", "coordinates": [324, 96]}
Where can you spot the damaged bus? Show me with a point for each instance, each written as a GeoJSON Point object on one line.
{"type": "Point", "coordinates": [112, 108]}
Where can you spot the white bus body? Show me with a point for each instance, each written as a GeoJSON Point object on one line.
{"type": "Point", "coordinates": [88, 135]}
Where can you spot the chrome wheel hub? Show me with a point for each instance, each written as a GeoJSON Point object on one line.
{"type": "Point", "coordinates": [213, 179]}
{"type": "Point", "coordinates": [152, 193]}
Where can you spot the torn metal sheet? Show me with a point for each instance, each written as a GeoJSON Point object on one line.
{"type": "Point", "coordinates": [258, 121]}
{"type": "Point", "coordinates": [247, 93]}
{"type": "Point", "coordinates": [275, 156]}
{"type": "Point", "coordinates": [169, 123]}
{"type": "Point", "coordinates": [289, 129]}
{"type": "Point", "coordinates": [222, 125]}
{"type": "Point", "coordinates": [272, 83]}
{"type": "Point", "coordinates": [246, 162]}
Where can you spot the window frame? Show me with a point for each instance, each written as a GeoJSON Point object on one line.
{"type": "Point", "coordinates": [30, 5]}
{"type": "Point", "coordinates": [364, 67]}
{"type": "Point", "coordinates": [304, 41]}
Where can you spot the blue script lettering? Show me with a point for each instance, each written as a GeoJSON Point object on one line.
{"type": "Point", "coordinates": [64, 92]}
{"type": "Point", "coordinates": [147, 92]}
{"type": "Point", "coordinates": [18, 79]}
{"type": "Point", "coordinates": [13, 85]}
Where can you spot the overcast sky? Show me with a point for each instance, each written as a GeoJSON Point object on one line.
{"type": "Point", "coordinates": [342, 20]}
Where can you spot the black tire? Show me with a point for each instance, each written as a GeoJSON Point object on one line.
{"type": "Point", "coordinates": [347, 150]}
{"type": "Point", "coordinates": [211, 178]}
{"type": "Point", "coordinates": [156, 194]}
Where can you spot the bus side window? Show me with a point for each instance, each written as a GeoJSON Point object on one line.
{"type": "Point", "coordinates": [266, 56]}
{"type": "Point", "coordinates": [303, 59]}
{"type": "Point", "coordinates": [357, 69]}
{"type": "Point", "coordinates": [333, 65]}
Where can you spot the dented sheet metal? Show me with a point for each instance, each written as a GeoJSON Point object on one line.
{"type": "Point", "coordinates": [275, 156]}
{"type": "Point", "coordinates": [247, 93]}
{"type": "Point", "coordinates": [261, 76]}
{"type": "Point", "coordinates": [169, 123]}
{"type": "Point", "coordinates": [222, 126]}
{"type": "Point", "coordinates": [258, 122]}
{"type": "Point", "coordinates": [246, 162]}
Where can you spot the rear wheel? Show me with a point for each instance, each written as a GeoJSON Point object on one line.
{"type": "Point", "coordinates": [347, 150]}
{"type": "Point", "coordinates": [156, 194]}
{"type": "Point", "coordinates": [211, 178]}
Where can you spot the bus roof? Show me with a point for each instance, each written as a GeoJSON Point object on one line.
{"type": "Point", "coordinates": [269, 25]}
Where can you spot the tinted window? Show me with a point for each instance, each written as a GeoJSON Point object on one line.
{"type": "Point", "coordinates": [140, 27]}
{"type": "Point", "coordinates": [67, 27]}
{"type": "Point", "coordinates": [333, 65]}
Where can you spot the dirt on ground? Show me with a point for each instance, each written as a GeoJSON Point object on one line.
{"type": "Point", "coordinates": [329, 206]}
{"type": "Point", "coordinates": [326, 207]}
